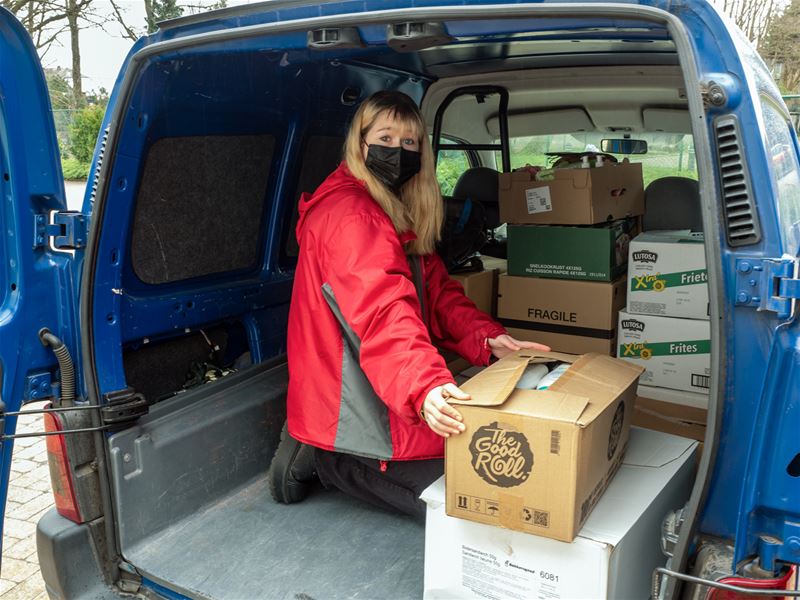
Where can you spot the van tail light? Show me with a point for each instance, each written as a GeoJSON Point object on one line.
{"type": "Point", "coordinates": [60, 474]}
{"type": "Point", "coordinates": [776, 583]}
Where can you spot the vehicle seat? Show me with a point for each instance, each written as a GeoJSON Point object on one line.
{"type": "Point", "coordinates": [481, 184]}
{"type": "Point", "coordinates": [672, 203]}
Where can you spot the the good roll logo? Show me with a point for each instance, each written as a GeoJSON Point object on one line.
{"type": "Point", "coordinates": [501, 456]}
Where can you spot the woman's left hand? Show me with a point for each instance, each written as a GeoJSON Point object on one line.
{"type": "Point", "coordinates": [504, 344]}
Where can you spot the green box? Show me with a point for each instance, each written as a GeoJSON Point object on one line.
{"type": "Point", "coordinates": [593, 253]}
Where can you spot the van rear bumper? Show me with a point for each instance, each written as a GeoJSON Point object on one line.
{"type": "Point", "coordinates": [67, 560]}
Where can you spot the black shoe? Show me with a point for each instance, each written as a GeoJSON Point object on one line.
{"type": "Point", "coordinates": [292, 470]}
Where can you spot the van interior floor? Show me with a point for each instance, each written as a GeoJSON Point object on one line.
{"type": "Point", "coordinates": [195, 513]}
{"type": "Point", "coordinates": [246, 546]}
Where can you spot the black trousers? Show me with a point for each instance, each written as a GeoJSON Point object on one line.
{"type": "Point", "coordinates": [395, 489]}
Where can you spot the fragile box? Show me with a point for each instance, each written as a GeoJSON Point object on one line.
{"type": "Point", "coordinates": [595, 253]}
{"type": "Point", "coordinates": [538, 461]}
{"type": "Point", "coordinates": [573, 196]}
{"type": "Point", "coordinates": [613, 556]}
{"type": "Point", "coordinates": [667, 276]}
{"type": "Point", "coordinates": [674, 353]}
{"type": "Point", "coordinates": [569, 316]}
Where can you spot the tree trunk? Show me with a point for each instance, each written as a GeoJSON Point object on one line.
{"type": "Point", "coordinates": [151, 20]}
{"type": "Point", "coordinates": [74, 34]}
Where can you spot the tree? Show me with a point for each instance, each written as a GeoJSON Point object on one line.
{"type": "Point", "coordinates": [782, 47]}
{"type": "Point", "coordinates": [83, 132]}
{"type": "Point", "coordinates": [753, 17]}
{"type": "Point", "coordinates": [73, 10]}
{"type": "Point", "coordinates": [61, 96]}
{"type": "Point", "coordinates": [43, 22]}
{"type": "Point", "coordinates": [159, 10]}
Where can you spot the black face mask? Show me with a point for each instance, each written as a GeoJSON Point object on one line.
{"type": "Point", "coordinates": [392, 166]}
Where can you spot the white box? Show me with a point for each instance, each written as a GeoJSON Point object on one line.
{"type": "Point", "coordinates": [675, 353]}
{"type": "Point", "coordinates": [613, 556]}
{"type": "Point", "coordinates": [667, 275]}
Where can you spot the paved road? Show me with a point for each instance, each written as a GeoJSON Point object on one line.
{"type": "Point", "coordinates": [75, 190]}
{"type": "Point", "coordinates": [29, 497]}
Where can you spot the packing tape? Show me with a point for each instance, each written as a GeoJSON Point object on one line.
{"type": "Point", "coordinates": [510, 510]}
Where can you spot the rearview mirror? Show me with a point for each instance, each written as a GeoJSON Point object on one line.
{"type": "Point", "coordinates": [624, 146]}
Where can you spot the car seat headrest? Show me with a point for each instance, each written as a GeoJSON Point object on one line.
{"type": "Point", "coordinates": [672, 203]}
{"type": "Point", "coordinates": [477, 183]}
{"type": "Point", "coordinates": [480, 184]}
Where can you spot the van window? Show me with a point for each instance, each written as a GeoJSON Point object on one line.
{"type": "Point", "coordinates": [785, 173]}
{"type": "Point", "coordinates": [200, 206]}
{"type": "Point", "coordinates": [667, 155]}
{"type": "Point", "coordinates": [451, 164]}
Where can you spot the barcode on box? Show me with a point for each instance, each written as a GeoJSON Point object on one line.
{"type": "Point", "coordinates": [701, 381]}
{"type": "Point", "coordinates": [555, 442]}
{"type": "Point", "coordinates": [541, 518]}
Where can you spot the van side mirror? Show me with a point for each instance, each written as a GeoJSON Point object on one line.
{"type": "Point", "coordinates": [624, 146]}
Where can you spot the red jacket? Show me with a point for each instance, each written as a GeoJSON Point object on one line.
{"type": "Point", "coordinates": [361, 359]}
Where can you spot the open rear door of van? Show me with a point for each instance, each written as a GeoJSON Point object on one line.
{"type": "Point", "coordinates": [39, 244]}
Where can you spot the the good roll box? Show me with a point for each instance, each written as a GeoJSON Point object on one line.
{"type": "Point", "coordinates": [563, 464]}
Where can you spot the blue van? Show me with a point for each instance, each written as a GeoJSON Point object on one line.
{"type": "Point", "coordinates": [155, 317]}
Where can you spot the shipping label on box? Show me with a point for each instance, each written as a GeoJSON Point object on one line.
{"type": "Point", "coordinates": [667, 276]}
{"type": "Point", "coordinates": [569, 316]}
{"type": "Point", "coordinates": [597, 253]}
{"type": "Point", "coordinates": [538, 461]}
{"type": "Point", "coordinates": [675, 353]}
{"type": "Point", "coordinates": [573, 196]}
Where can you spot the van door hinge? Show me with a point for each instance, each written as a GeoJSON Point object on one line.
{"type": "Point", "coordinates": [68, 231]}
{"type": "Point", "coordinates": [768, 284]}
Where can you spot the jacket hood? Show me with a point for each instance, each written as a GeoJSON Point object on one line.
{"type": "Point", "coordinates": [337, 182]}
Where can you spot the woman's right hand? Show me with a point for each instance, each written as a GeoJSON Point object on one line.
{"type": "Point", "coordinates": [442, 418]}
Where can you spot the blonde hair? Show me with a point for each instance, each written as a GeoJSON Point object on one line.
{"type": "Point", "coordinates": [419, 207]}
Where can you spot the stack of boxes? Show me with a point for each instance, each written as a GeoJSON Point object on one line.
{"type": "Point", "coordinates": [563, 463]}
{"type": "Point", "coordinates": [665, 328]}
{"type": "Point", "coordinates": [567, 252]}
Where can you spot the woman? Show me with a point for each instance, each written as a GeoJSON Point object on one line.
{"type": "Point", "coordinates": [367, 409]}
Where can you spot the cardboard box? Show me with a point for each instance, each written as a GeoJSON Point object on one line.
{"type": "Point", "coordinates": [571, 344]}
{"type": "Point", "coordinates": [572, 316]}
{"type": "Point", "coordinates": [675, 353]}
{"type": "Point", "coordinates": [681, 397]}
{"type": "Point", "coordinates": [685, 421]}
{"type": "Point", "coordinates": [574, 197]}
{"type": "Point", "coordinates": [597, 253]}
{"type": "Point", "coordinates": [538, 461]}
{"type": "Point", "coordinates": [479, 287]}
{"type": "Point", "coordinates": [667, 276]}
{"type": "Point", "coordinates": [613, 556]}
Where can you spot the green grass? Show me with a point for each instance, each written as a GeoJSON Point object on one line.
{"type": "Point", "coordinates": [651, 172]}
